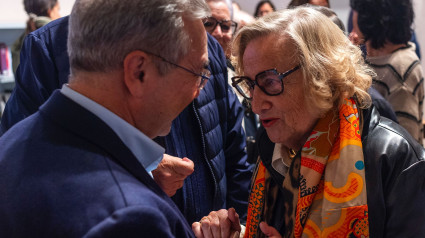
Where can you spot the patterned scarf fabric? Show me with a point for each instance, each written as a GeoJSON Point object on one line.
{"type": "Point", "coordinates": [331, 187]}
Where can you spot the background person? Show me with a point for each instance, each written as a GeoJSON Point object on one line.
{"type": "Point", "coordinates": [220, 24]}
{"type": "Point", "coordinates": [296, 3]}
{"type": "Point", "coordinates": [357, 41]}
{"type": "Point", "coordinates": [328, 164]}
{"type": "Point", "coordinates": [40, 12]}
{"type": "Point", "coordinates": [386, 33]}
{"type": "Point", "coordinates": [263, 8]}
{"type": "Point", "coordinates": [381, 104]}
{"type": "Point", "coordinates": [222, 28]}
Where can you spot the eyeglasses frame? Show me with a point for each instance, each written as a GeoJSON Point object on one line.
{"type": "Point", "coordinates": [204, 76]}
{"type": "Point", "coordinates": [220, 22]}
{"type": "Point", "coordinates": [251, 83]}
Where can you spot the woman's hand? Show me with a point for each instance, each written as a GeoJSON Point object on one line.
{"type": "Point", "coordinates": [218, 224]}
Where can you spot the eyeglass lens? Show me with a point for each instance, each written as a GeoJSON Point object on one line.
{"type": "Point", "coordinates": [269, 81]}
{"type": "Point", "coordinates": [211, 23]}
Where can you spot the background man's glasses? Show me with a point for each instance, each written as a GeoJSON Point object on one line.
{"type": "Point", "coordinates": [269, 81]}
{"type": "Point", "coordinates": [210, 23]}
{"type": "Point", "coordinates": [204, 76]}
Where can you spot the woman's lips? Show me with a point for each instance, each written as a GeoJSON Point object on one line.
{"type": "Point", "coordinates": [268, 122]}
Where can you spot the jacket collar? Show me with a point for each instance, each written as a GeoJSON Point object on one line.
{"type": "Point", "coordinates": [370, 120]}
{"type": "Point", "coordinates": [71, 116]}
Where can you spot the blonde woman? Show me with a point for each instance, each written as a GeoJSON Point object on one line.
{"type": "Point", "coordinates": [329, 164]}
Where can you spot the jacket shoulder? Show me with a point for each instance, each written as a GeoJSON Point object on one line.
{"type": "Point", "coordinates": [383, 136]}
{"type": "Point", "coordinates": [57, 27]}
{"type": "Point", "coordinates": [395, 174]}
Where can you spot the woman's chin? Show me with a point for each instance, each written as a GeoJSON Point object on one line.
{"type": "Point", "coordinates": [274, 136]}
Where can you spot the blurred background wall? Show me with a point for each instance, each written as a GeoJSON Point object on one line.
{"type": "Point", "coordinates": [13, 17]}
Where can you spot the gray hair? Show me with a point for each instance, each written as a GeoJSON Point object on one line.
{"type": "Point", "coordinates": [102, 33]}
{"type": "Point", "coordinates": [333, 68]}
{"type": "Point", "coordinates": [228, 4]}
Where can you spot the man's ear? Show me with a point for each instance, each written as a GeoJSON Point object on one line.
{"type": "Point", "coordinates": [135, 65]}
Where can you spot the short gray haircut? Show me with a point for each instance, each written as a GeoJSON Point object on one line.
{"type": "Point", "coordinates": [102, 33]}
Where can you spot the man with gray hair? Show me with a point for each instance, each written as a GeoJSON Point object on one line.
{"type": "Point", "coordinates": [81, 165]}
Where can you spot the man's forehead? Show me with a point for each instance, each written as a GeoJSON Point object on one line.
{"type": "Point", "coordinates": [219, 9]}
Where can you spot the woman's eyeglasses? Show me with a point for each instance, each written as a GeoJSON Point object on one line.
{"type": "Point", "coordinates": [269, 81]}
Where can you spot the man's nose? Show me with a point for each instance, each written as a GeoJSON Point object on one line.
{"type": "Point", "coordinates": [217, 30]}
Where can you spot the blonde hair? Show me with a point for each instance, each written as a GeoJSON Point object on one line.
{"type": "Point", "coordinates": [333, 68]}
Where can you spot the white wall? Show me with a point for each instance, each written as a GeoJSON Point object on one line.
{"type": "Point", "coordinates": [419, 8]}
{"type": "Point", "coordinates": [13, 15]}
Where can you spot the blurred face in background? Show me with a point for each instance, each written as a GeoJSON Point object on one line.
{"type": "Point", "coordinates": [54, 12]}
{"type": "Point", "coordinates": [356, 36]}
{"type": "Point", "coordinates": [264, 10]}
{"type": "Point", "coordinates": [323, 3]}
{"type": "Point", "coordinates": [219, 25]}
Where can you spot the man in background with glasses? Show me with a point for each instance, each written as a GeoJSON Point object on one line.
{"type": "Point", "coordinates": [207, 134]}
{"type": "Point", "coordinates": [221, 26]}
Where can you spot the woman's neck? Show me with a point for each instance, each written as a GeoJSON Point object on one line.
{"type": "Point", "coordinates": [387, 49]}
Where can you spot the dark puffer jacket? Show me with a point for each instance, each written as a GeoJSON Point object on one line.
{"type": "Point", "coordinates": [208, 131]}
{"type": "Point", "coordinates": [395, 178]}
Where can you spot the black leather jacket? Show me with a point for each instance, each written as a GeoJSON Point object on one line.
{"type": "Point", "coordinates": [395, 178]}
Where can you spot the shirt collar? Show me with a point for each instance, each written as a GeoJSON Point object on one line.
{"type": "Point", "coordinates": [281, 159]}
{"type": "Point", "coordinates": [147, 152]}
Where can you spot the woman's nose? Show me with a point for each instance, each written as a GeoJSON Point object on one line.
{"type": "Point", "coordinates": [259, 101]}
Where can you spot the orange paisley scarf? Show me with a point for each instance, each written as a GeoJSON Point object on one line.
{"type": "Point", "coordinates": [332, 199]}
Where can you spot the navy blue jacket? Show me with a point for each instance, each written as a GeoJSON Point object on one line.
{"type": "Point", "coordinates": [208, 131]}
{"type": "Point", "coordinates": [65, 173]}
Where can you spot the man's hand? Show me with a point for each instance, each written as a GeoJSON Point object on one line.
{"type": "Point", "coordinates": [171, 173]}
{"type": "Point", "coordinates": [222, 224]}
{"type": "Point", "coordinates": [269, 231]}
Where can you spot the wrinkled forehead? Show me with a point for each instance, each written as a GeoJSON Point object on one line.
{"type": "Point", "coordinates": [219, 10]}
{"type": "Point", "coordinates": [271, 51]}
